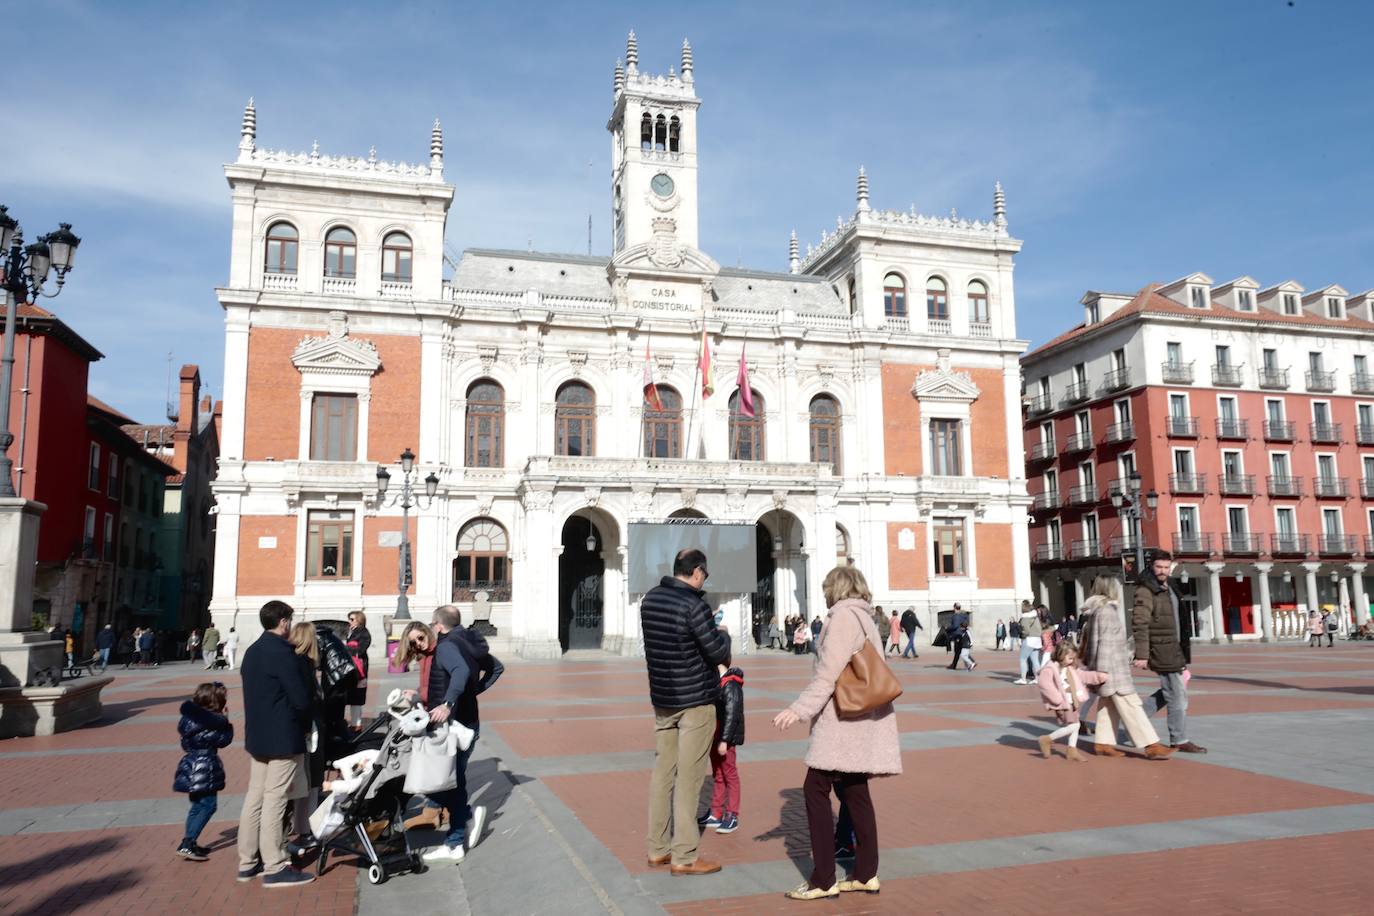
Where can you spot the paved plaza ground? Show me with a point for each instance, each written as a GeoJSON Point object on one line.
{"type": "Point", "coordinates": [1278, 818]}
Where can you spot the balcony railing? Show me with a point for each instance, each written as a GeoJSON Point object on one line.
{"type": "Point", "coordinates": [1367, 487]}
{"type": "Point", "coordinates": [1321, 379]}
{"type": "Point", "coordinates": [1288, 544]}
{"type": "Point", "coordinates": [1231, 428]}
{"type": "Point", "coordinates": [1085, 494]}
{"type": "Point", "coordinates": [1046, 500]}
{"type": "Point", "coordinates": [1076, 392]}
{"type": "Point", "coordinates": [467, 589]}
{"type": "Point", "coordinates": [1361, 383]}
{"type": "Point", "coordinates": [1122, 544]}
{"type": "Point", "coordinates": [1337, 544]}
{"type": "Point", "coordinates": [1049, 552]}
{"type": "Point", "coordinates": [980, 329]}
{"type": "Point", "coordinates": [1273, 378]}
{"type": "Point", "coordinates": [1190, 542]}
{"type": "Point", "coordinates": [271, 281]}
{"type": "Point", "coordinates": [1079, 442]}
{"type": "Point", "coordinates": [1041, 451]}
{"type": "Point", "coordinates": [1325, 432]}
{"type": "Point", "coordinates": [1117, 379]}
{"type": "Point", "coordinates": [1187, 483]}
{"type": "Point", "coordinates": [1364, 433]}
{"type": "Point", "coordinates": [1223, 374]}
{"type": "Point", "coordinates": [938, 326]}
{"type": "Point", "coordinates": [339, 286]}
{"type": "Point", "coordinates": [1369, 545]}
{"type": "Point", "coordinates": [1278, 430]}
{"type": "Point", "coordinates": [1120, 432]}
{"type": "Point", "coordinates": [1330, 487]}
{"type": "Point", "coordinates": [1239, 542]}
{"type": "Point", "coordinates": [1087, 549]}
{"type": "Point", "coordinates": [1182, 427]}
{"type": "Point", "coordinates": [1041, 403]}
{"type": "Point", "coordinates": [1177, 373]}
{"type": "Point", "coordinates": [1289, 487]}
{"type": "Point", "coordinates": [1237, 484]}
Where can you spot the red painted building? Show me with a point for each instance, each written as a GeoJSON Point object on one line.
{"type": "Point", "coordinates": [1248, 411]}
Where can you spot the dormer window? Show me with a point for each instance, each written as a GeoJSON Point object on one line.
{"type": "Point", "coordinates": [1333, 307]}
{"type": "Point", "coordinates": [1197, 297]}
{"type": "Point", "coordinates": [1290, 303]}
{"type": "Point", "coordinates": [1244, 300]}
{"type": "Point", "coordinates": [1094, 314]}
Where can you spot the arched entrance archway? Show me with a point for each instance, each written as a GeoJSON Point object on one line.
{"type": "Point", "coordinates": [764, 604]}
{"type": "Point", "coordinates": [581, 585]}
{"type": "Point", "coordinates": [781, 570]}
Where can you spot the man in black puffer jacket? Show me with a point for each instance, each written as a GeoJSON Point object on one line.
{"type": "Point", "coordinates": [682, 648]}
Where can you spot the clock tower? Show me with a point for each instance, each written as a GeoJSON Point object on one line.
{"type": "Point", "coordinates": [653, 129]}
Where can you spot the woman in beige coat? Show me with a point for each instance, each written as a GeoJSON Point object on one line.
{"type": "Point", "coordinates": [842, 752]}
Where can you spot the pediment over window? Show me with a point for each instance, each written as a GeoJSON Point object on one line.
{"type": "Point", "coordinates": [337, 353]}
{"type": "Point", "coordinates": [944, 384]}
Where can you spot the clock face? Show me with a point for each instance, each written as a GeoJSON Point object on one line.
{"type": "Point", "coordinates": [662, 185]}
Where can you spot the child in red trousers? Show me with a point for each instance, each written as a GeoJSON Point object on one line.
{"type": "Point", "coordinates": [724, 812]}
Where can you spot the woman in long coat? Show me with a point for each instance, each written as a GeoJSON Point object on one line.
{"type": "Point", "coordinates": [1105, 648]}
{"type": "Point", "coordinates": [359, 641]}
{"type": "Point", "coordinates": [846, 752]}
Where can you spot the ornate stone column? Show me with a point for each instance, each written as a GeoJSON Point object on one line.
{"type": "Point", "coordinates": [534, 616]}
{"type": "Point", "coordinates": [1342, 602]}
{"type": "Point", "coordinates": [1262, 571]}
{"type": "Point", "coordinates": [1361, 600]}
{"type": "Point", "coordinates": [1311, 581]}
{"type": "Point", "coordinates": [1214, 588]}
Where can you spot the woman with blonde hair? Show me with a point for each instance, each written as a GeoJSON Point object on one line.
{"type": "Point", "coordinates": [1105, 649]}
{"type": "Point", "coordinates": [842, 752]}
{"type": "Point", "coordinates": [417, 644]}
{"type": "Point", "coordinates": [307, 645]}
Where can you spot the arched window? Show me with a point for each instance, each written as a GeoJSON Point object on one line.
{"type": "Point", "coordinates": [486, 425]}
{"type": "Point", "coordinates": [853, 297]}
{"type": "Point", "coordinates": [283, 244]}
{"type": "Point", "coordinates": [483, 562]}
{"type": "Point", "coordinates": [842, 557]}
{"type": "Point", "coordinates": [674, 134]}
{"type": "Point", "coordinates": [978, 302]}
{"type": "Point", "coordinates": [660, 133]}
{"type": "Point", "coordinates": [894, 296]}
{"type": "Point", "coordinates": [646, 131]}
{"type": "Point", "coordinates": [575, 420]}
{"type": "Point", "coordinates": [341, 253]}
{"type": "Point", "coordinates": [663, 428]}
{"type": "Point", "coordinates": [825, 431]}
{"type": "Point", "coordinates": [937, 299]}
{"type": "Point", "coordinates": [746, 432]}
{"type": "Point", "coordinates": [396, 260]}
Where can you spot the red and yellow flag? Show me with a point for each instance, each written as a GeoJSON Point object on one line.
{"type": "Point", "coordinates": [708, 384]}
{"type": "Point", "coordinates": [651, 398]}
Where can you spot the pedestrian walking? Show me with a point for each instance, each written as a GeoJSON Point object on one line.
{"type": "Point", "coordinates": [147, 642]}
{"type": "Point", "coordinates": [844, 751]}
{"type": "Point", "coordinates": [69, 646]}
{"type": "Point", "coordinates": [1315, 629]}
{"type": "Point", "coordinates": [276, 712]}
{"type": "Point", "coordinates": [815, 631]}
{"type": "Point", "coordinates": [774, 638]}
{"type": "Point", "coordinates": [204, 729]}
{"type": "Point", "coordinates": [963, 643]}
{"type": "Point", "coordinates": [1105, 648]}
{"type": "Point", "coordinates": [894, 634]}
{"type": "Point", "coordinates": [231, 647]}
{"type": "Point", "coordinates": [104, 643]}
{"type": "Point", "coordinates": [1163, 635]}
{"type": "Point", "coordinates": [209, 644]}
{"type": "Point", "coordinates": [682, 652]}
{"type": "Point", "coordinates": [1000, 633]}
{"type": "Point", "coordinates": [359, 641]}
{"type": "Point", "coordinates": [192, 645]}
{"type": "Point", "coordinates": [1330, 623]}
{"type": "Point", "coordinates": [723, 814]}
{"type": "Point", "coordinates": [910, 624]}
{"type": "Point", "coordinates": [1028, 630]}
{"type": "Point", "coordinates": [1063, 689]}
{"type": "Point", "coordinates": [801, 638]}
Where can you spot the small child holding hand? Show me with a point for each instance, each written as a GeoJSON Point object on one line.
{"type": "Point", "coordinates": [204, 729]}
{"type": "Point", "coordinates": [724, 812]}
{"type": "Point", "coordinates": [1063, 688]}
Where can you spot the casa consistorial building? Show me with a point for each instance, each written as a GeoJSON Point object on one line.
{"type": "Point", "coordinates": [882, 368]}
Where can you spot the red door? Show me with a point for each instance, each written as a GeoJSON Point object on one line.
{"type": "Point", "coordinates": [1237, 608]}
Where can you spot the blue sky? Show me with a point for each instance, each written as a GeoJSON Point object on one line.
{"type": "Point", "coordinates": [1136, 142]}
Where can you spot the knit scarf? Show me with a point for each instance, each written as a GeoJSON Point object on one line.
{"type": "Point", "coordinates": [426, 662]}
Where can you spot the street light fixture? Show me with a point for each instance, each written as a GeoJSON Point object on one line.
{"type": "Point", "coordinates": [406, 498]}
{"type": "Point", "coordinates": [25, 269]}
{"type": "Point", "coordinates": [1135, 506]}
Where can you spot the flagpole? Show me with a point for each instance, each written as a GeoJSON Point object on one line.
{"type": "Point", "coordinates": [696, 393]}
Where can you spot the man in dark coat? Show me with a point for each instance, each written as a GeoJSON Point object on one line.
{"type": "Point", "coordinates": [104, 642]}
{"type": "Point", "coordinates": [682, 648]}
{"type": "Point", "coordinates": [276, 714]}
{"type": "Point", "coordinates": [1163, 634]}
{"type": "Point", "coordinates": [910, 625]}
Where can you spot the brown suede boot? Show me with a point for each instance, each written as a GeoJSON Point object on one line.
{"type": "Point", "coordinates": [1106, 750]}
{"type": "Point", "coordinates": [1158, 751]}
{"type": "Point", "coordinates": [1045, 745]}
{"type": "Point", "coordinates": [1072, 754]}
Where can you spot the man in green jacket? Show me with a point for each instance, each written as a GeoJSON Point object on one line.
{"type": "Point", "coordinates": [1163, 634]}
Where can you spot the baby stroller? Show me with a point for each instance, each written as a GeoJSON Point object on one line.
{"type": "Point", "coordinates": [369, 821]}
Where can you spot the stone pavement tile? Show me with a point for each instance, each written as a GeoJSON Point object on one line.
{"type": "Point", "coordinates": [1266, 876]}
{"type": "Point", "coordinates": [1198, 705]}
{"type": "Point", "coordinates": [96, 735]}
{"type": "Point", "coordinates": [943, 798]}
{"type": "Point", "coordinates": [133, 870]}
{"type": "Point", "coordinates": [94, 777]}
{"type": "Point", "coordinates": [525, 712]}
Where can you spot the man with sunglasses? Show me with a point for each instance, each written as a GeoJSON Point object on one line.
{"type": "Point", "coordinates": [682, 647]}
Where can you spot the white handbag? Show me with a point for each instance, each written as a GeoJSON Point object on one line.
{"type": "Point", "coordinates": [433, 762]}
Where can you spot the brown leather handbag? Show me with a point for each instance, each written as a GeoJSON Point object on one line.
{"type": "Point", "coordinates": [865, 683]}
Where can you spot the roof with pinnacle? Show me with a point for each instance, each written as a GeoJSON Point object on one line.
{"type": "Point", "coordinates": [1149, 301]}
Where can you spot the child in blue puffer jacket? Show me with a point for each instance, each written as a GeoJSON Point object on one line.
{"type": "Point", "coordinates": [204, 729]}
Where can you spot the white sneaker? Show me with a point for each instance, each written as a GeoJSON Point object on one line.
{"type": "Point", "coordinates": [479, 820]}
{"type": "Point", "coordinates": [1021, 681]}
{"type": "Point", "coordinates": [444, 853]}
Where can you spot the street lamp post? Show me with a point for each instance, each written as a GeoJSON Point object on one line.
{"type": "Point", "coordinates": [26, 269]}
{"type": "Point", "coordinates": [406, 498]}
{"type": "Point", "coordinates": [1128, 504]}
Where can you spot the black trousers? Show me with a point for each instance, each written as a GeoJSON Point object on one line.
{"type": "Point", "coordinates": [821, 822]}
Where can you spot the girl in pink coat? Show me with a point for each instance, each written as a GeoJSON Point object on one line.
{"type": "Point", "coordinates": [1064, 690]}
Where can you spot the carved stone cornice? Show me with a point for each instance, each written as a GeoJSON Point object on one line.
{"type": "Point", "coordinates": [336, 353]}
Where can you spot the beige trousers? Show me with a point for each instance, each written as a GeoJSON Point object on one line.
{"type": "Point", "coordinates": [272, 784]}
{"type": "Point", "coordinates": [1124, 709]}
{"type": "Point", "coordinates": [681, 762]}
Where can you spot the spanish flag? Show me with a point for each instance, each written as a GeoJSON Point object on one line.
{"type": "Point", "coordinates": [651, 399]}
{"type": "Point", "coordinates": [708, 385]}
{"type": "Point", "coordinates": [746, 394]}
